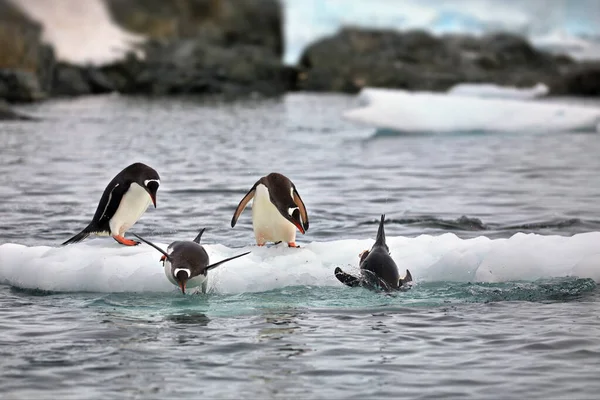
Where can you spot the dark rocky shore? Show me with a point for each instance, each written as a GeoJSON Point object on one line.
{"type": "Point", "coordinates": [234, 48]}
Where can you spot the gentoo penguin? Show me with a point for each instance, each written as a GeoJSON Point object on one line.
{"type": "Point", "coordinates": [377, 268]}
{"type": "Point", "coordinates": [186, 263]}
{"type": "Point", "coordinates": [123, 202]}
{"type": "Point", "coordinates": [277, 210]}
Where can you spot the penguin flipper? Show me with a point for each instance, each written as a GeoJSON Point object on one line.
{"type": "Point", "coordinates": [407, 278]}
{"type": "Point", "coordinates": [211, 266]}
{"type": "Point", "coordinates": [243, 204]}
{"type": "Point", "coordinates": [402, 282]}
{"type": "Point", "coordinates": [303, 214]}
{"type": "Point", "coordinates": [199, 236]}
{"type": "Point", "coordinates": [345, 278]}
{"type": "Point", "coordinates": [87, 231]}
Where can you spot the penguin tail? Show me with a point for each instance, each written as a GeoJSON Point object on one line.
{"type": "Point", "coordinates": [87, 231]}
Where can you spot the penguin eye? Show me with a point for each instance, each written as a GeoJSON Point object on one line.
{"type": "Point", "coordinates": [291, 211]}
{"type": "Point", "coordinates": [152, 181]}
{"type": "Point", "coordinates": [184, 270]}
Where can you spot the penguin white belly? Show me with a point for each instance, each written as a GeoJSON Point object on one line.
{"type": "Point", "coordinates": [133, 204]}
{"type": "Point", "coordinates": [269, 225]}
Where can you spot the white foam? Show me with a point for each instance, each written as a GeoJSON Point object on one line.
{"type": "Point", "coordinates": [81, 32]}
{"type": "Point", "coordinates": [100, 266]}
{"type": "Point", "coordinates": [491, 90]}
{"type": "Point", "coordinates": [442, 113]}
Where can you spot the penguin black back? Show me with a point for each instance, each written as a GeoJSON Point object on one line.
{"type": "Point", "coordinates": [378, 261]}
{"type": "Point", "coordinates": [143, 176]}
{"type": "Point", "coordinates": [377, 268]}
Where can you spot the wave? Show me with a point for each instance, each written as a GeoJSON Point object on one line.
{"type": "Point", "coordinates": [465, 223]}
{"type": "Point", "coordinates": [102, 266]}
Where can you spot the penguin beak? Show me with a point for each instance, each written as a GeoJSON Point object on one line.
{"type": "Point", "coordinates": [152, 188]}
{"type": "Point", "coordinates": [295, 219]}
{"type": "Point", "coordinates": [299, 226]}
{"type": "Point", "coordinates": [182, 286]}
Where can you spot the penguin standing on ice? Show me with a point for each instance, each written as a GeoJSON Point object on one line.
{"type": "Point", "coordinates": [277, 210]}
{"type": "Point", "coordinates": [186, 263]}
{"type": "Point", "coordinates": [122, 204]}
{"type": "Point", "coordinates": [377, 268]}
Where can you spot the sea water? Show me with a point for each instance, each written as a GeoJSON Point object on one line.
{"type": "Point", "coordinates": [500, 232]}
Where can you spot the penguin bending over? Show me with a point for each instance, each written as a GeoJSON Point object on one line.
{"type": "Point", "coordinates": [122, 204]}
{"type": "Point", "coordinates": [186, 262]}
{"type": "Point", "coordinates": [277, 210]}
{"type": "Point", "coordinates": [377, 268]}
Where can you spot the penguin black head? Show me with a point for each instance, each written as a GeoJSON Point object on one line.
{"type": "Point", "coordinates": [144, 176]}
{"type": "Point", "coordinates": [284, 196]}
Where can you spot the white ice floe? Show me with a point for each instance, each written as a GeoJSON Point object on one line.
{"type": "Point", "coordinates": [81, 31]}
{"type": "Point", "coordinates": [99, 265]}
{"type": "Point", "coordinates": [491, 90]}
{"type": "Point", "coordinates": [417, 112]}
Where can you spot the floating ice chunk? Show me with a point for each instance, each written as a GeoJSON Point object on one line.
{"type": "Point", "coordinates": [424, 112]}
{"type": "Point", "coordinates": [100, 265]}
{"type": "Point", "coordinates": [491, 90]}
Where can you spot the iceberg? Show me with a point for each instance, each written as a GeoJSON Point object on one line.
{"type": "Point", "coordinates": [491, 90]}
{"type": "Point", "coordinates": [425, 112]}
{"type": "Point", "coordinates": [100, 265]}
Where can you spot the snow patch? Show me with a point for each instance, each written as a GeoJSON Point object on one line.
{"type": "Point", "coordinates": [81, 32]}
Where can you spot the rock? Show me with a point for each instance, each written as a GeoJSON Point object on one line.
{"type": "Point", "coordinates": [19, 86]}
{"type": "Point", "coordinates": [24, 53]}
{"type": "Point", "coordinates": [190, 66]}
{"type": "Point", "coordinates": [98, 81]}
{"type": "Point", "coordinates": [74, 80]}
{"type": "Point", "coordinates": [416, 60]}
{"type": "Point", "coordinates": [582, 80]}
{"type": "Point", "coordinates": [231, 47]}
{"type": "Point", "coordinates": [220, 22]}
{"type": "Point", "coordinates": [69, 80]}
{"type": "Point", "coordinates": [123, 74]}
{"type": "Point", "coordinates": [7, 114]}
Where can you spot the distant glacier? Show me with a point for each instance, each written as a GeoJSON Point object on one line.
{"type": "Point", "coordinates": [572, 27]}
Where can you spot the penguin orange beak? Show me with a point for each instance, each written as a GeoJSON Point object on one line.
{"type": "Point", "coordinates": [299, 226]}
{"type": "Point", "coordinates": [153, 197]}
{"type": "Point", "coordinates": [295, 219]}
{"type": "Point", "coordinates": [182, 286]}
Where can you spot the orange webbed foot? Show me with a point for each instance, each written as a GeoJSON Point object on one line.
{"type": "Point", "coordinates": [293, 244]}
{"type": "Point", "coordinates": [125, 242]}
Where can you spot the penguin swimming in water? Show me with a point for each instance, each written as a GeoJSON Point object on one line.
{"type": "Point", "coordinates": [277, 210]}
{"type": "Point", "coordinates": [378, 269]}
{"type": "Point", "coordinates": [122, 204]}
{"type": "Point", "coordinates": [186, 262]}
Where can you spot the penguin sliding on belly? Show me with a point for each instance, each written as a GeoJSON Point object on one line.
{"type": "Point", "coordinates": [377, 268]}
{"type": "Point", "coordinates": [277, 210]}
{"type": "Point", "coordinates": [186, 262]}
{"type": "Point", "coordinates": [122, 204]}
